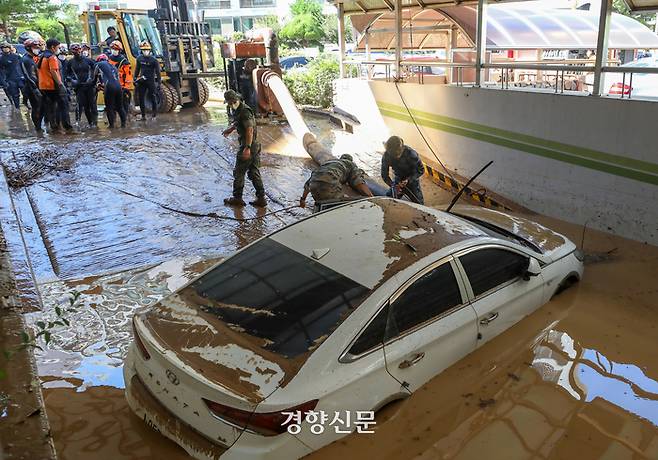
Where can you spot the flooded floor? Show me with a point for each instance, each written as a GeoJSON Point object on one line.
{"type": "Point", "coordinates": [577, 378]}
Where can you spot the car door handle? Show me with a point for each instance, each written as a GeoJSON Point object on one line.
{"type": "Point", "coordinates": [488, 319]}
{"type": "Point", "coordinates": [410, 362]}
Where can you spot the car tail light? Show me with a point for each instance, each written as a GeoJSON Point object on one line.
{"type": "Point", "coordinates": [140, 345]}
{"type": "Point", "coordinates": [620, 88]}
{"type": "Point", "coordinates": [266, 423]}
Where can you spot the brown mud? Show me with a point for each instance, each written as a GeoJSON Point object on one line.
{"type": "Point", "coordinates": [578, 378]}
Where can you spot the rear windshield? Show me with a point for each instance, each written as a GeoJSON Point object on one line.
{"type": "Point", "coordinates": [274, 293]}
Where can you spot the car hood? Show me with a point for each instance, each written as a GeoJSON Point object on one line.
{"type": "Point", "coordinates": [552, 244]}
{"type": "Point", "coordinates": [220, 353]}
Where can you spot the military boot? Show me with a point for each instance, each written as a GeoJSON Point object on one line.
{"type": "Point", "coordinates": [234, 201]}
{"type": "Point", "coordinates": [260, 202]}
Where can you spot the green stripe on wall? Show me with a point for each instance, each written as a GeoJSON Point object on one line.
{"type": "Point", "coordinates": [539, 147]}
{"type": "Point", "coordinates": [625, 162]}
{"type": "Point", "coordinates": [533, 149]}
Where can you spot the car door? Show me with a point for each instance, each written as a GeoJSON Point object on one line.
{"type": "Point", "coordinates": [430, 325]}
{"type": "Point", "coordinates": [501, 293]}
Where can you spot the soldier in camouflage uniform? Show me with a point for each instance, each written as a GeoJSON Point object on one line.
{"type": "Point", "coordinates": [407, 167]}
{"type": "Point", "coordinates": [247, 160]}
{"type": "Point", "coordinates": [326, 182]}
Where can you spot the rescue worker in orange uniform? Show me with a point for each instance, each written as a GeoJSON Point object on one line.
{"type": "Point", "coordinates": [51, 85]}
{"type": "Point", "coordinates": [118, 59]}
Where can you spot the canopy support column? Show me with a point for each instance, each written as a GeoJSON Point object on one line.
{"type": "Point", "coordinates": [341, 40]}
{"type": "Point", "coordinates": [481, 41]}
{"type": "Point", "coordinates": [602, 45]}
{"type": "Point", "coordinates": [368, 54]}
{"type": "Point", "coordinates": [398, 38]}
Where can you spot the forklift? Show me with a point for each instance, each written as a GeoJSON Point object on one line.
{"type": "Point", "coordinates": [182, 46]}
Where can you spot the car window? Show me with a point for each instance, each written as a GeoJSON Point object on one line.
{"type": "Point", "coordinates": [491, 267]}
{"type": "Point", "coordinates": [429, 296]}
{"type": "Point", "coordinates": [274, 293]}
{"type": "Point", "coordinates": [373, 335]}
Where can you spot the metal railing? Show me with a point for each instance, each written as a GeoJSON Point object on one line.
{"type": "Point", "coordinates": [559, 74]}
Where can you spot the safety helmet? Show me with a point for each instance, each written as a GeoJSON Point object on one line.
{"type": "Point", "coordinates": [75, 48]}
{"type": "Point", "coordinates": [145, 45]}
{"type": "Point", "coordinates": [28, 34]}
{"type": "Point", "coordinates": [29, 43]}
{"type": "Point", "coordinates": [231, 96]}
{"type": "Point", "coordinates": [394, 145]}
{"type": "Point", "coordinates": [116, 45]}
{"type": "Point", "coordinates": [101, 57]}
{"type": "Point", "coordinates": [346, 156]}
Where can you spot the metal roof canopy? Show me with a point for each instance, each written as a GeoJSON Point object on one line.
{"type": "Point", "coordinates": [381, 6]}
{"type": "Point", "coordinates": [508, 27]}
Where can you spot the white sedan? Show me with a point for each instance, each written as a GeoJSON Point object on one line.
{"type": "Point", "coordinates": [298, 338]}
{"type": "Point", "coordinates": [642, 85]}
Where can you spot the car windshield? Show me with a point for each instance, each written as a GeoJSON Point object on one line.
{"type": "Point", "coordinates": [271, 292]}
{"type": "Point", "coordinates": [140, 27]}
{"type": "Point", "coordinates": [497, 232]}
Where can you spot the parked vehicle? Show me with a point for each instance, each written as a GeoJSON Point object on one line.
{"type": "Point", "coordinates": [291, 62]}
{"type": "Point", "coordinates": [344, 311]}
{"type": "Point", "coordinates": [642, 84]}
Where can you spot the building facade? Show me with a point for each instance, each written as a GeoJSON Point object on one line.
{"type": "Point", "coordinates": [229, 16]}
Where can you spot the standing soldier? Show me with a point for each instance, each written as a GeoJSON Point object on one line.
{"type": "Point", "coordinates": [118, 59]}
{"type": "Point", "coordinates": [51, 85]}
{"type": "Point", "coordinates": [11, 76]}
{"type": "Point", "coordinates": [80, 74]}
{"type": "Point", "coordinates": [108, 77]}
{"type": "Point", "coordinates": [31, 88]}
{"type": "Point", "coordinates": [248, 156]}
{"type": "Point", "coordinates": [326, 182]}
{"type": "Point", "coordinates": [407, 167]}
{"type": "Point", "coordinates": [147, 78]}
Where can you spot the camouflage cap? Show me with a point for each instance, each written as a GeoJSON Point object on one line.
{"type": "Point", "coordinates": [394, 145]}
{"type": "Point", "coordinates": [5, 45]}
{"type": "Point", "coordinates": [231, 96]}
{"type": "Point", "coordinates": [346, 156]}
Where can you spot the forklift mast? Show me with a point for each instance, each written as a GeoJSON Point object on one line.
{"type": "Point", "coordinates": [187, 44]}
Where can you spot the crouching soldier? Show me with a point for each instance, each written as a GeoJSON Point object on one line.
{"type": "Point", "coordinates": [407, 167]}
{"type": "Point", "coordinates": [326, 182]}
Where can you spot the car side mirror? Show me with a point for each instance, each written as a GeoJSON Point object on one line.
{"type": "Point", "coordinates": [534, 269]}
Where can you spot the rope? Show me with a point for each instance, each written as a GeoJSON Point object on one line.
{"type": "Point", "coordinates": [423, 135]}
{"type": "Point", "coordinates": [212, 215]}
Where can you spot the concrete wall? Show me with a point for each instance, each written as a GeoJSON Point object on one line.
{"type": "Point", "coordinates": [579, 158]}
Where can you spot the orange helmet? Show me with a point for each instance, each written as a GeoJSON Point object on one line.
{"type": "Point", "coordinates": [116, 45]}
{"type": "Point", "coordinates": [101, 57]}
{"type": "Point", "coordinates": [29, 42]}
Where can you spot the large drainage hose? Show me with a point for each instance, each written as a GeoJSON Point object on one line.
{"type": "Point", "coordinates": [317, 151]}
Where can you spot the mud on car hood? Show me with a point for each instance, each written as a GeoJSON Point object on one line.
{"type": "Point", "coordinates": [551, 244]}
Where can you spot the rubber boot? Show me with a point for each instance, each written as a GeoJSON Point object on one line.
{"type": "Point", "coordinates": [234, 201]}
{"type": "Point", "coordinates": [260, 202]}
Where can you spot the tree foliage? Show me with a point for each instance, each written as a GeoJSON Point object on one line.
{"type": "Point", "coordinates": [40, 16]}
{"type": "Point", "coordinates": [306, 27]}
{"type": "Point", "coordinates": [314, 85]}
{"type": "Point", "coordinates": [620, 6]}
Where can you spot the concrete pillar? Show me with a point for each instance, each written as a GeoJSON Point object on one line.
{"type": "Point", "coordinates": [481, 41]}
{"type": "Point", "coordinates": [341, 39]}
{"type": "Point", "coordinates": [602, 45]}
{"type": "Point", "coordinates": [398, 38]}
{"type": "Point", "coordinates": [368, 55]}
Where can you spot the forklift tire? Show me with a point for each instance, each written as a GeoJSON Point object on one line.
{"type": "Point", "coordinates": [202, 95]}
{"type": "Point", "coordinates": [168, 98]}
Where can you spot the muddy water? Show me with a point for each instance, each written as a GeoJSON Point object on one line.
{"type": "Point", "coordinates": [575, 379]}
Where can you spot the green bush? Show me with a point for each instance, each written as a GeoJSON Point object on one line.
{"type": "Point", "coordinates": [314, 85]}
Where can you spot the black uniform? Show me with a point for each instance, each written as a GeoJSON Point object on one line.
{"type": "Point", "coordinates": [147, 78]}
{"type": "Point", "coordinates": [31, 89]}
{"type": "Point", "coordinates": [244, 118]}
{"type": "Point", "coordinates": [11, 77]}
{"type": "Point", "coordinates": [80, 74]}
{"type": "Point", "coordinates": [109, 77]}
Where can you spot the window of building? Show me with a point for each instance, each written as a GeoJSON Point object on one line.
{"type": "Point", "coordinates": [256, 3]}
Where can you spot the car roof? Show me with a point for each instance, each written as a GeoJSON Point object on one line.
{"type": "Point", "coordinates": [371, 240]}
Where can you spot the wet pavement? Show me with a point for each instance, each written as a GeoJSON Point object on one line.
{"type": "Point", "coordinates": [577, 377]}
